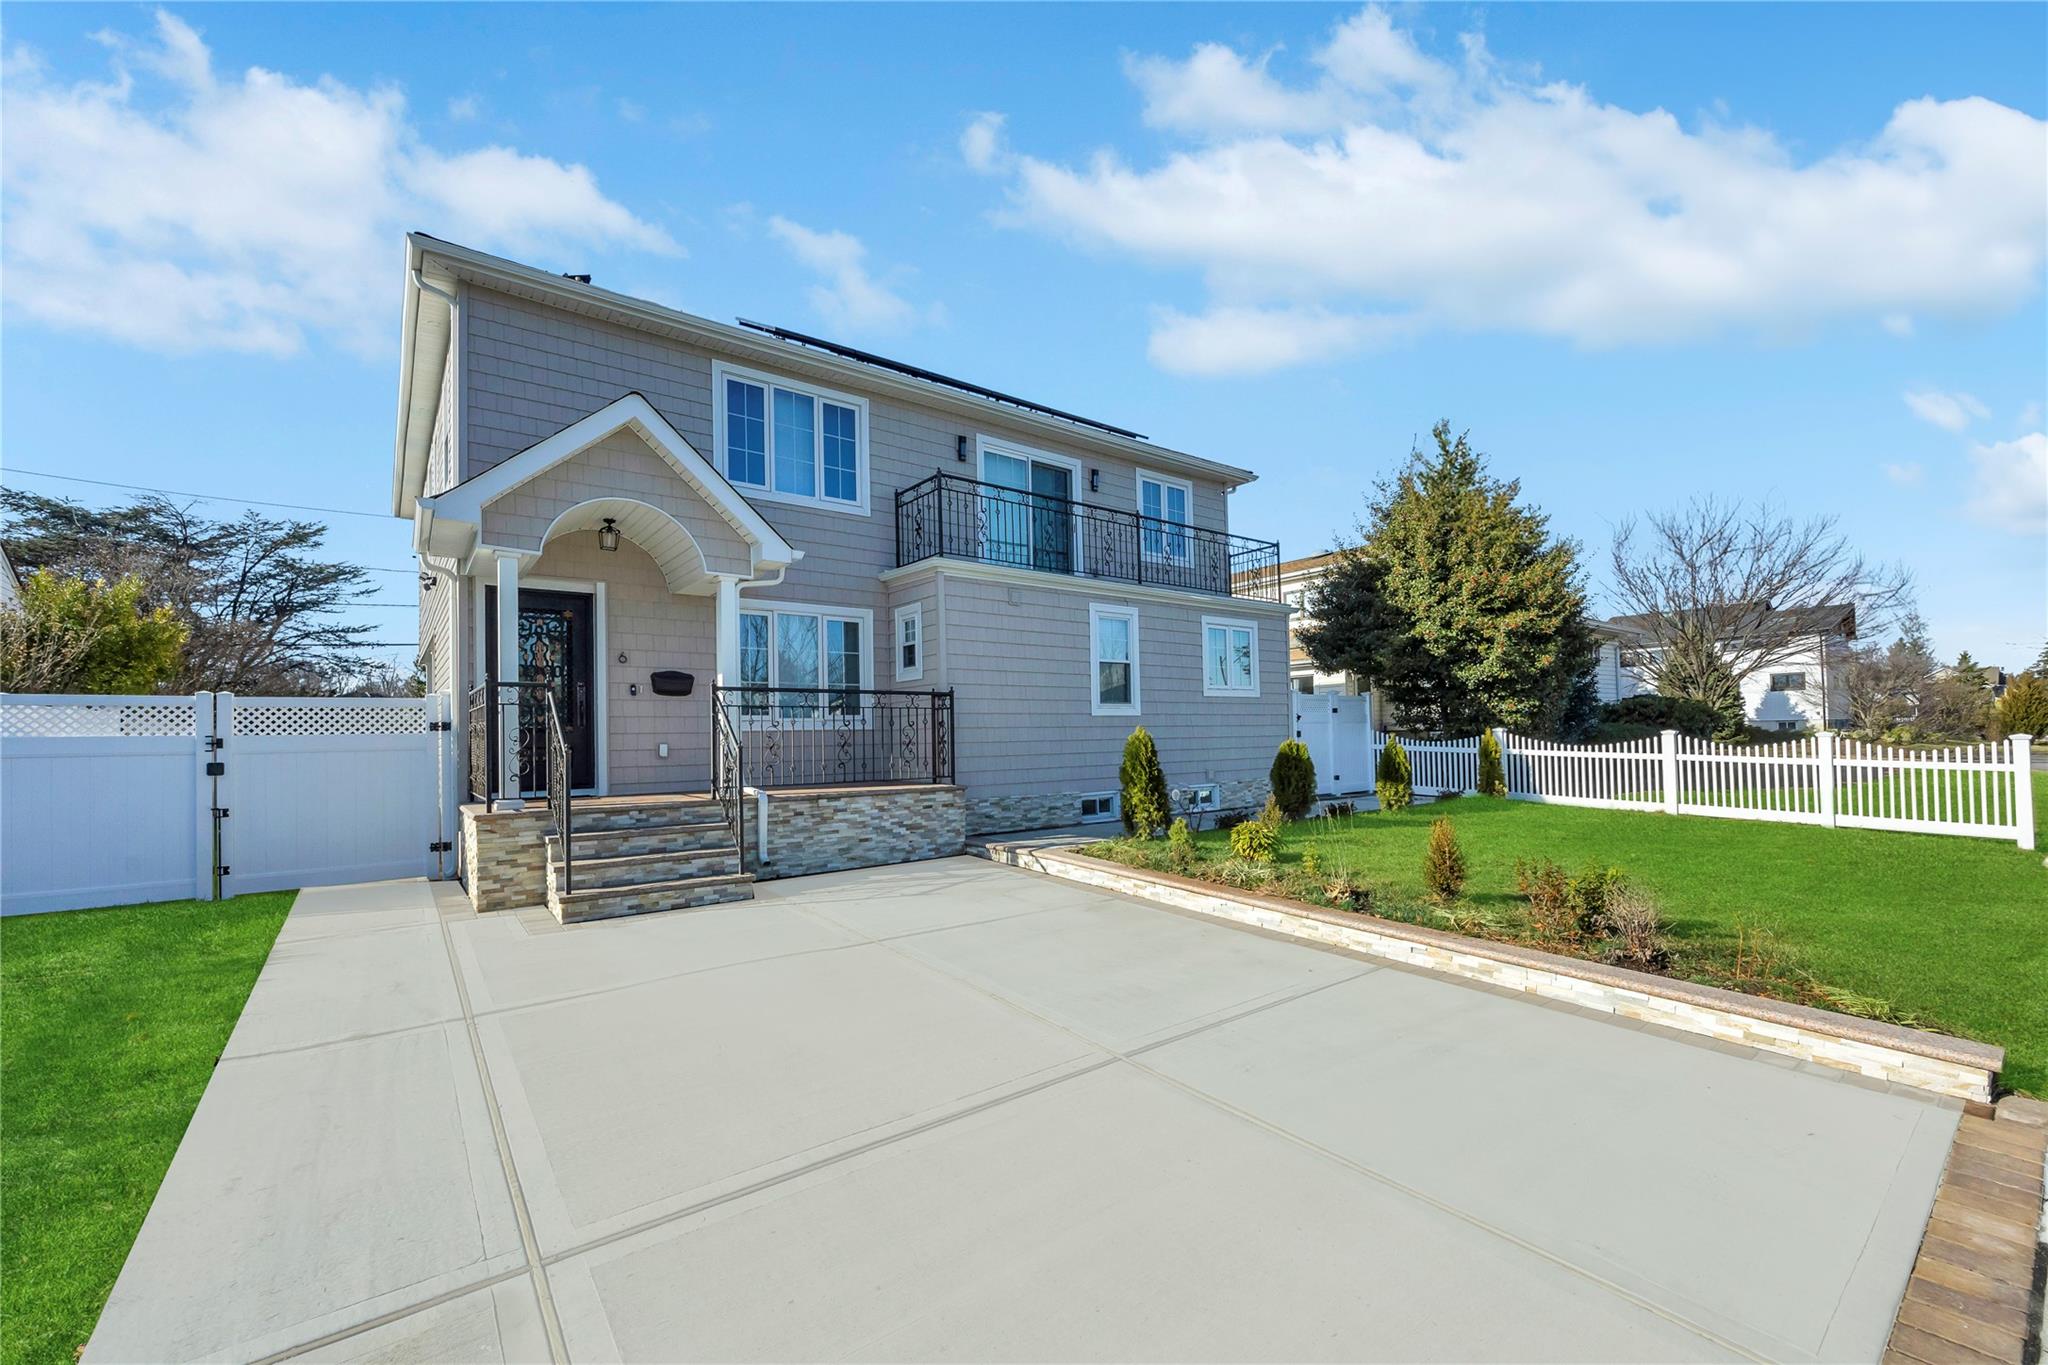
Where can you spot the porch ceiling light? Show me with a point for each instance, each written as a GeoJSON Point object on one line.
{"type": "Point", "coordinates": [608, 535]}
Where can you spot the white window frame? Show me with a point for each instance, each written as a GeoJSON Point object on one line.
{"type": "Point", "coordinates": [720, 372]}
{"type": "Point", "coordinates": [1229, 623]}
{"type": "Point", "coordinates": [1169, 554]}
{"type": "Point", "coordinates": [913, 613]}
{"type": "Point", "coordinates": [986, 445]}
{"type": "Point", "coordinates": [1113, 811]}
{"type": "Point", "coordinates": [1096, 706]}
{"type": "Point", "coordinates": [864, 617]}
{"type": "Point", "coordinates": [1790, 685]}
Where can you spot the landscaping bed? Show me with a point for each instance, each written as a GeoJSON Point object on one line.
{"type": "Point", "coordinates": [1941, 933]}
{"type": "Point", "coordinates": [110, 1023]}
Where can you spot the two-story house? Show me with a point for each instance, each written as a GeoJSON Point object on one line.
{"type": "Point", "coordinates": [752, 565]}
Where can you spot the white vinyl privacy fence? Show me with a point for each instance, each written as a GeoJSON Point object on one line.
{"type": "Point", "coordinates": [107, 800]}
{"type": "Point", "coordinates": [1978, 790]}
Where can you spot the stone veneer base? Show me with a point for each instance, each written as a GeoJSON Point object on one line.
{"type": "Point", "coordinates": [837, 828]}
{"type": "Point", "coordinates": [504, 856]}
{"type": "Point", "coordinates": [1057, 810]}
{"type": "Point", "coordinates": [1954, 1068]}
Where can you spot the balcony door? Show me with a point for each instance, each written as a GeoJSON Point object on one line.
{"type": "Point", "coordinates": [1028, 509]}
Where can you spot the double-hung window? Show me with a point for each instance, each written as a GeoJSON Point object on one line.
{"type": "Point", "coordinates": [1788, 682]}
{"type": "Point", "coordinates": [910, 642]}
{"type": "Point", "coordinates": [1230, 658]}
{"type": "Point", "coordinates": [1164, 504]}
{"type": "Point", "coordinates": [1113, 660]}
{"type": "Point", "coordinates": [789, 442]}
{"type": "Point", "coordinates": [809, 658]}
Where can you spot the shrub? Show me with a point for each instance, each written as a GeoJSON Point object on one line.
{"type": "Point", "coordinates": [1243, 874]}
{"type": "Point", "coordinates": [1312, 861]}
{"type": "Point", "coordinates": [1346, 892]}
{"type": "Point", "coordinates": [1391, 783]}
{"type": "Point", "coordinates": [1443, 862]}
{"type": "Point", "coordinates": [1294, 779]}
{"type": "Point", "coordinates": [1258, 840]}
{"type": "Point", "coordinates": [1666, 713]}
{"type": "Point", "coordinates": [1493, 777]}
{"type": "Point", "coordinates": [1147, 805]}
{"type": "Point", "coordinates": [1630, 918]}
{"type": "Point", "coordinates": [1180, 848]}
{"type": "Point", "coordinates": [2023, 710]}
{"type": "Point", "coordinates": [1563, 908]}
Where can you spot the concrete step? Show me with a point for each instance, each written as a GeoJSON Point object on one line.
{"type": "Point", "coordinates": [645, 813]}
{"type": "Point", "coordinates": [668, 838]}
{"type": "Point", "coordinates": [689, 893]}
{"type": "Point", "coordinates": [636, 869]}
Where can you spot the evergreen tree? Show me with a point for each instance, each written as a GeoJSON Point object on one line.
{"type": "Point", "coordinates": [1147, 804]}
{"type": "Point", "coordinates": [1457, 603]}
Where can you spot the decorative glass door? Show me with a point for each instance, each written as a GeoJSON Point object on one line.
{"type": "Point", "coordinates": [1027, 512]}
{"type": "Point", "coordinates": [555, 647]}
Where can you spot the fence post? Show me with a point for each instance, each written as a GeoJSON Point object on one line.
{"type": "Point", "coordinates": [1670, 765]}
{"type": "Point", "coordinates": [202, 799]}
{"type": "Point", "coordinates": [223, 791]}
{"type": "Point", "coordinates": [1824, 774]}
{"type": "Point", "coordinates": [2022, 747]}
{"type": "Point", "coordinates": [1500, 737]}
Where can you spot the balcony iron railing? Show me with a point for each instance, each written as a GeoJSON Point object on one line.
{"type": "Point", "coordinates": [950, 516]}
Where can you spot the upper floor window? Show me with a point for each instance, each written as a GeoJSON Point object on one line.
{"type": "Point", "coordinates": [1788, 682]}
{"type": "Point", "coordinates": [788, 442]}
{"type": "Point", "coordinates": [1166, 504]}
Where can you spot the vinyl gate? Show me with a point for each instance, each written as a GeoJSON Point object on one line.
{"type": "Point", "coordinates": [107, 800]}
{"type": "Point", "coordinates": [1338, 733]}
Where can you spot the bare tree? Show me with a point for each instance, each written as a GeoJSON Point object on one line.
{"type": "Point", "coordinates": [1720, 589]}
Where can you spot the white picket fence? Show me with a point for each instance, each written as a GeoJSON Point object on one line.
{"type": "Point", "coordinates": [1977, 790]}
{"type": "Point", "coordinates": [109, 800]}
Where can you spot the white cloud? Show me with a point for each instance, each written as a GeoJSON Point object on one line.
{"type": "Point", "coordinates": [632, 111]}
{"type": "Point", "coordinates": [849, 296]}
{"type": "Point", "coordinates": [2030, 415]}
{"type": "Point", "coordinates": [1904, 475]}
{"type": "Point", "coordinates": [981, 142]}
{"type": "Point", "coordinates": [1898, 324]}
{"type": "Point", "coordinates": [465, 108]}
{"type": "Point", "coordinates": [1254, 340]}
{"type": "Point", "coordinates": [1949, 411]}
{"type": "Point", "coordinates": [244, 212]}
{"type": "Point", "coordinates": [1471, 197]}
{"type": "Point", "coordinates": [2009, 486]}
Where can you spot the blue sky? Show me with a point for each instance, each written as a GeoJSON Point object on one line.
{"type": "Point", "coordinates": [1641, 252]}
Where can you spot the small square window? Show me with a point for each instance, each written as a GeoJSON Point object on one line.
{"type": "Point", "coordinates": [1101, 807]}
{"type": "Point", "coordinates": [1230, 658]}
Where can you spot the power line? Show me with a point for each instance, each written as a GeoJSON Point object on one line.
{"type": "Point", "coordinates": [202, 497]}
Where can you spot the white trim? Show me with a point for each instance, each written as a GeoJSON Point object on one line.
{"type": "Point", "coordinates": [1229, 623]}
{"type": "Point", "coordinates": [1113, 813]}
{"type": "Point", "coordinates": [464, 504]}
{"type": "Point", "coordinates": [1058, 582]}
{"type": "Point", "coordinates": [912, 612]}
{"type": "Point", "coordinates": [722, 371]}
{"type": "Point", "coordinates": [766, 606]}
{"type": "Point", "coordinates": [1096, 706]}
{"type": "Point", "coordinates": [1165, 481]}
{"type": "Point", "coordinates": [984, 444]}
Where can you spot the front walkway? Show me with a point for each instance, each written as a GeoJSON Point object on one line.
{"type": "Point", "coordinates": [956, 1110]}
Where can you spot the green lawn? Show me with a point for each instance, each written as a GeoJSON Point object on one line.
{"type": "Point", "coordinates": [1949, 932]}
{"type": "Point", "coordinates": [110, 1022]}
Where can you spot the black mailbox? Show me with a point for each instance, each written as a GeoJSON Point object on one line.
{"type": "Point", "coordinates": [671, 682]}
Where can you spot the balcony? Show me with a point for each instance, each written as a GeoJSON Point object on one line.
{"type": "Point", "coordinates": [958, 518]}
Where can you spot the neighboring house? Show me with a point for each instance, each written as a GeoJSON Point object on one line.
{"type": "Point", "coordinates": [1990, 677]}
{"type": "Point", "coordinates": [1803, 689]}
{"type": "Point", "coordinates": [614, 492]}
{"type": "Point", "coordinates": [10, 586]}
{"type": "Point", "coordinates": [1297, 578]}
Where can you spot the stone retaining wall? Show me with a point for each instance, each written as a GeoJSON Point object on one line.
{"type": "Point", "coordinates": [1056, 810]}
{"type": "Point", "coordinates": [504, 856]}
{"type": "Point", "coordinates": [1952, 1067]}
{"type": "Point", "coordinates": [833, 829]}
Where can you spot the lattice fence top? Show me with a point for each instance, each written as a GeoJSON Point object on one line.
{"type": "Point", "coordinates": [279, 716]}
{"type": "Point", "coordinates": [97, 717]}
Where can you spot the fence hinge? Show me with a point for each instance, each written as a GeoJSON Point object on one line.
{"type": "Point", "coordinates": [216, 742]}
{"type": "Point", "coordinates": [216, 769]}
{"type": "Point", "coordinates": [223, 871]}
{"type": "Point", "coordinates": [441, 846]}
{"type": "Point", "coordinates": [220, 812]}
{"type": "Point", "coordinates": [434, 725]}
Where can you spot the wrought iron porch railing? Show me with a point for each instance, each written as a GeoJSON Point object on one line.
{"type": "Point", "coordinates": [519, 709]}
{"type": "Point", "coordinates": [829, 737]}
{"type": "Point", "coordinates": [961, 518]}
{"type": "Point", "coordinates": [559, 799]}
{"type": "Point", "coordinates": [728, 756]}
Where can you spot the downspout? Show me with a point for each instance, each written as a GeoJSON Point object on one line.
{"type": "Point", "coordinates": [760, 796]}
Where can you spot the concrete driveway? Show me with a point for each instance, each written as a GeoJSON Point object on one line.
{"type": "Point", "coordinates": [955, 1110]}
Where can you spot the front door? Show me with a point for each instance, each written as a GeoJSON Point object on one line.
{"type": "Point", "coordinates": [556, 647]}
{"type": "Point", "coordinates": [1029, 511]}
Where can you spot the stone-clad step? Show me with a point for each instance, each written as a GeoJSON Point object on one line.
{"type": "Point", "coordinates": [634, 869]}
{"type": "Point", "coordinates": [683, 894]}
{"type": "Point", "coordinates": [646, 812]}
{"type": "Point", "coordinates": [664, 838]}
